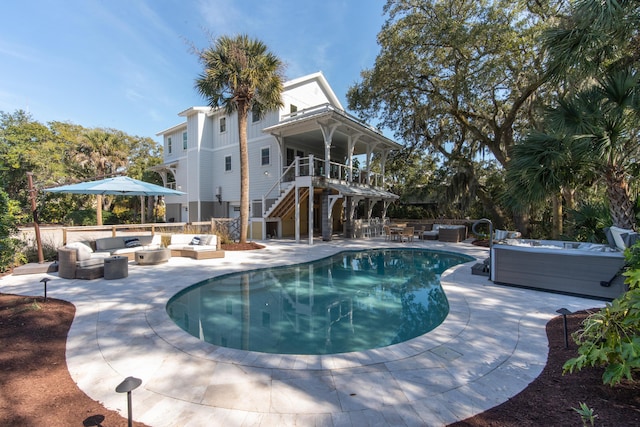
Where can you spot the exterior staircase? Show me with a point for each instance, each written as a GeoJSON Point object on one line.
{"type": "Point", "coordinates": [284, 205]}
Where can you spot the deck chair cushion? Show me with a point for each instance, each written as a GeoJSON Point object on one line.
{"type": "Point", "coordinates": [83, 251]}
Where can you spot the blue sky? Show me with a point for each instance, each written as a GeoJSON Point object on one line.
{"type": "Point", "coordinates": [127, 64]}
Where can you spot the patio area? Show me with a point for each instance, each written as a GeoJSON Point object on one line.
{"type": "Point", "coordinates": [492, 344]}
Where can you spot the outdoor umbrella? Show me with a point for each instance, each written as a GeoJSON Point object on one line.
{"type": "Point", "coordinates": [118, 186]}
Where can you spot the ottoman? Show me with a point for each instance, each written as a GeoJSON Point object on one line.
{"type": "Point", "coordinates": [116, 267]}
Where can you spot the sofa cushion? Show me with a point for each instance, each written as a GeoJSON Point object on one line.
{"type": "Point", "coordinates": [90, 262]}
{"type": "Point", "coordinates": [195, 241]}
{"type": "Point", "coordinates": [617, 233]}
{"type": "Point", "coordinates": [83, 251]}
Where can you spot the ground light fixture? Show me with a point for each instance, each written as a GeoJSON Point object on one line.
{"type": "Point", "coordinates": [45, 280]}
{"type": "Point", "coordinates": [127, 386]}
{"type": "Point", "coordinates": [564, 313]}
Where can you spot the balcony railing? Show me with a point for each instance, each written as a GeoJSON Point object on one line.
{"type": "Point", "coordinates": [312, 166]}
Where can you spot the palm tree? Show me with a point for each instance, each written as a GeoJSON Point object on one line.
{"type": "Point", "coordinates": [241, 75]}
{"type": "Point", "coordinates": [594, 53]}
{"type": "Point", "coordinates": [595, 36]}
{"type": "Point", "coordinates": [589, 136]}
{"type": "Point", "coordinates": [100, 153]}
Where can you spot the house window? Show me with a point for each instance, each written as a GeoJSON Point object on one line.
{"type": "Point", "coordinates": [169, 147]}
{"type": "Point", "coordinates": [223, 124]}
{"type": "Point", "coordinates": [255, 115]}
{"type": "Point", "coordinates": [293, 109]}
{"type": "Point", "coordinates": [265, 157]}
{"type": "Point", "coordinates": [290, 156]}
{"type": "Point", "coordinates": [227, 163]}
{"type": "Point", "coordinates": [184, 141]}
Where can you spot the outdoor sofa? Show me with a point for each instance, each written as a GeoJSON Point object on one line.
{"type": "Point", "coordinates": [445, 232]}
{"type": "Point", "coordinates": [78, 260]}
{"type": "Point", "coordinates": [196, 246]}
{"type": "Point", "coordinates": [128, 245]}
{"type": "Point", "coordinates": [583, 269]}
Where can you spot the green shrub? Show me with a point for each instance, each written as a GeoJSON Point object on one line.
{"type": "Point", "coordinates": [8, 229]}
{"type": "Point", "coordinates": [610, 338]}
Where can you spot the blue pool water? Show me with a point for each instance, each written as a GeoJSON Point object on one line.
{"type": "Point", "coordinates": [351, 301]}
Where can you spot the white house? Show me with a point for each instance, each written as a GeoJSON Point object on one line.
{"type": "Point", "coordinates": [302, 152]}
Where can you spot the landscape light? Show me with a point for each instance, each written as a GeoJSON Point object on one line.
{"type": "Point", "coordinates": [45, 280]}
{"type": "Point", "coordinates": [564, 313]}
{"type": "Point", "coordinates": [129, 384]}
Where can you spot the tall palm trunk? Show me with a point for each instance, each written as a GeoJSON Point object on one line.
{"type": "Point", "coordinates": [244, 170]}
{"type": "Point", "coordinates": [556, 200]}
{"type": "Point", "coordinates": [620, 204]}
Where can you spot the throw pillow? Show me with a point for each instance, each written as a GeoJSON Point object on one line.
{"type": "Point", "coordinates": [195, 241]}
{"type": "Point", "coordinates": [205, 240]}
{"type": "Point", "coordinates": [131, 243]}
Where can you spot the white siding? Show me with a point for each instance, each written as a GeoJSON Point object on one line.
{"type": "Point", "coordinates": [259, 182]}
{"type": "Point", "coordinates": [304, 96]}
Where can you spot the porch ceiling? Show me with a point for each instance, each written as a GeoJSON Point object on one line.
{"type": "Point", "coordinates": [305, 128]}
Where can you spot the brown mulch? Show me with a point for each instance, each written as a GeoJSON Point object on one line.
{"type": "Point", "coordinates": [36, 388]}
{"type": "Point", "coordinates": [249, 246]}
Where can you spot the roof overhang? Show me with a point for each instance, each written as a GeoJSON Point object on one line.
{"type": "Point", "coordinates": [309, 121]}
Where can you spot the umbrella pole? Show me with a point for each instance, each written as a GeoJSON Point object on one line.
{"type": "Point", "coordinates": [142, 209]}
{"type": "Point", "coordinates": [99, 209]}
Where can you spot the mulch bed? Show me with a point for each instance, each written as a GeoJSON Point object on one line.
{"type": "Point", "coordinates": [36, 388]}
{"type": "Point", "coordinates": [241, 246]}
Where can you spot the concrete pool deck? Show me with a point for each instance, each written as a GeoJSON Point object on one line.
{"type": "Point", "coordinates": [490, 347]}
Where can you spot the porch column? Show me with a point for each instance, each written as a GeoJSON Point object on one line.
{"type": "Point", "coordinates": [351, 143]}
{"type": "Point", "coordinates": [348, 221]}
{"type": "Point", "coordinates": [327, 134]}
{"type": "Point", "coordinates": [327, 226]}
{"type": "Point", "coordinates": [370, 148]}
{"type": "Point", "coordinates": [297, 210]}
{"type": "Point", "coordinates": [383, 162]}
{"type": "Point", "coordinates": [310, 214]}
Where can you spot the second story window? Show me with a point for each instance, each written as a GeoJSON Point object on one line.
{"type": "Point", "coordinates": [255, 115]}
{"type": "Point", "coordinates": [169, 145]}
{"type": "Point", "coordinates": [293, 109]}
{"type": "Point", "coordinates": [227, 163]}
{"type": "Point", "coordinates": [223, 124]}
{"type": "Point", "coordinates": [265, 157]}
{"type": "Point", "coordinates": [184, 141]}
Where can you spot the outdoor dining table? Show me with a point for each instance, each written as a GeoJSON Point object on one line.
{"type": "Point", "coordinates": [395, 232]}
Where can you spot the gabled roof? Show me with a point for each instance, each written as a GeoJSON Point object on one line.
{"type": "Point", "coordinates": [172, 129]}
{"type": "Point", "coordinates": [322, 82]}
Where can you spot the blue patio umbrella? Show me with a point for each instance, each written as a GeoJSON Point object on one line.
{"type": "Point", "coordinates": [118, 186]}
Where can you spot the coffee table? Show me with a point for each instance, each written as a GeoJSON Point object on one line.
{"type": "Point", "coordinates": [153, 256]}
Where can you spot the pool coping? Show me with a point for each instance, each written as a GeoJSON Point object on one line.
{"type": "Point", "coordinates": [490, 347]}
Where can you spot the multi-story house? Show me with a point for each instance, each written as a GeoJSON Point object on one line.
{"type": "Point", "coordinates": [302, 177]}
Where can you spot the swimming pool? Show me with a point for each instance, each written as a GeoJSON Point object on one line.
{"type": "Point", "coordinates": [351, 301]}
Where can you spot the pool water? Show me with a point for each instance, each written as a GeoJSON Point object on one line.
{"type": "Point", "coordinates": [351, 301]}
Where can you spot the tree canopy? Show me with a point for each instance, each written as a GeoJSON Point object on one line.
{"type": "Point", "coordinates": [458, 79]}
{"type": "Point", "coordinates": [62, 153]}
